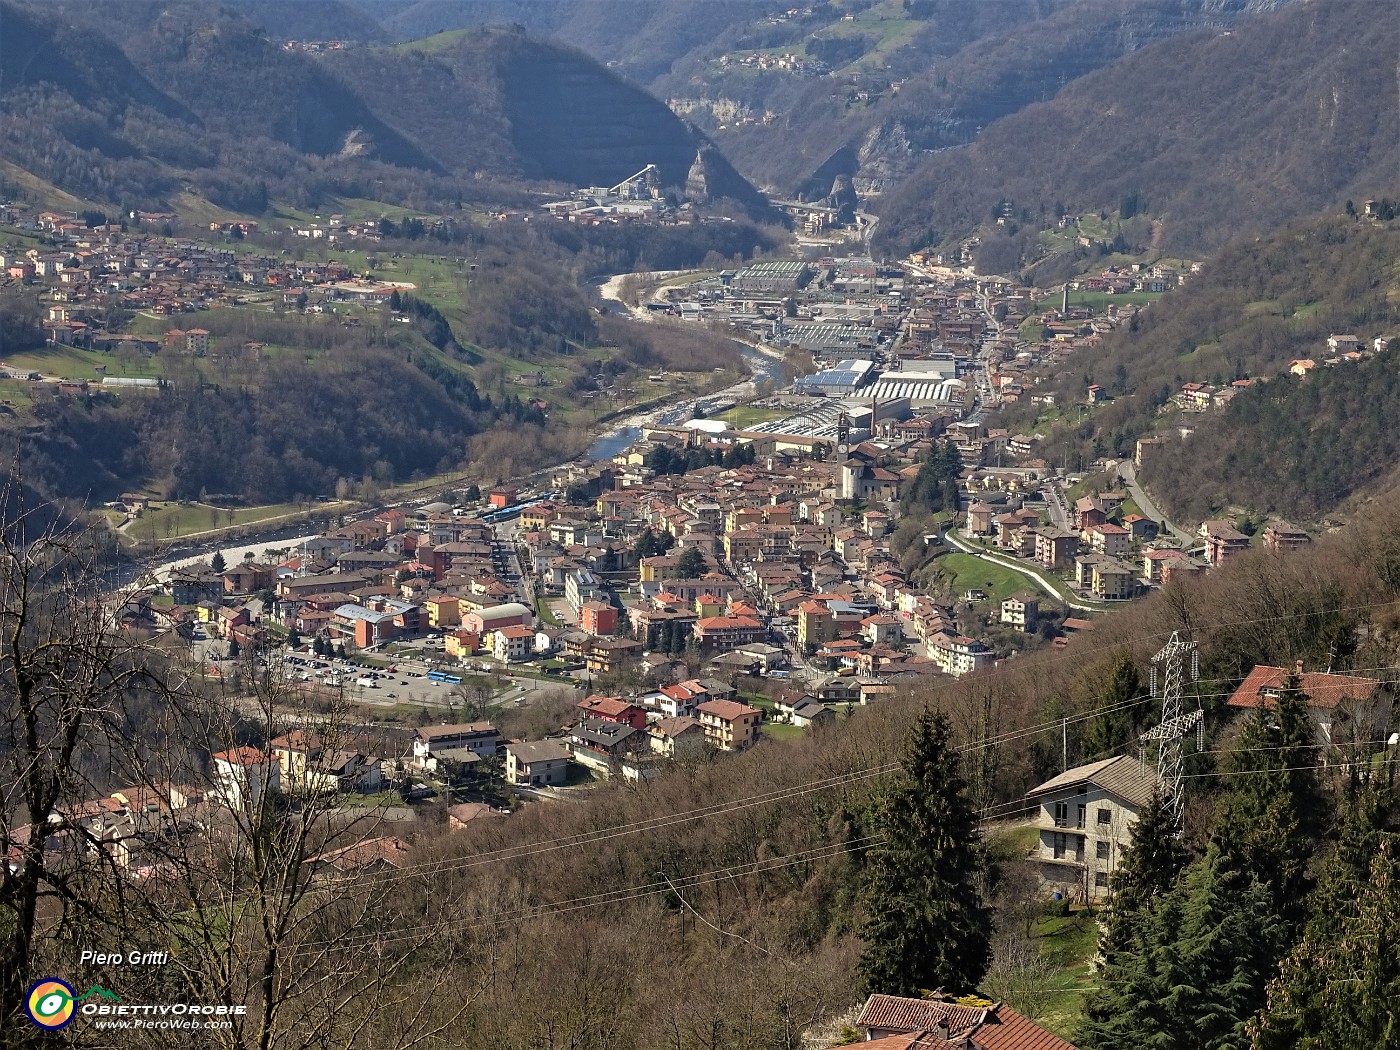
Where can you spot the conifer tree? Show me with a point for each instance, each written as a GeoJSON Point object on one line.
{"type": "Point", "coordinates": [1112, 724]}
{"type": "Point", "coordinates": [691, 563]}
{"type": "Point", "coordinates": [1150, 867]}
{"type": "Point", "coordinates": [1193, 971]}
{"type": "Point", "coordinates": [927, 926]}
{"type": "Point", "coordinates": [1271, 813]}
{"type": "Point", "coordinates": [935, 487]}
{"type": "Point", "coordinates": [1340, 987]}
{"type": "Point", "coordinates": [217, 562]}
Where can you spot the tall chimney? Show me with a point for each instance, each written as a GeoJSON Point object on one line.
{"type": "Point", "coordinates": [1298, 667]}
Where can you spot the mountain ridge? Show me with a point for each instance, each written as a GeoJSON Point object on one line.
{"type": "Point", "coordinates": [1220, 154]}
{"type": "Point", "coordinates": [164, 97]}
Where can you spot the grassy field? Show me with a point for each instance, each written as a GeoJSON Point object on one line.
{"type": "Point", "coordinates": [1070, 942]}
{"type": "Point", "coordinates": [964, 572]}
{"type": "Point", "coordinates": [12, 238]}
{"type": "Point", "coordinates": [1031, 329]}
{"type": "Point", "coordinates": [885, 22]}
{"type": "Point", "coordinates": [71, 363]}
{"type": "Point", "coordinates": [1100, 301]}
{"type": "Point", "coordinates": [48, 194]}
{"type": "Point", "coordinates": [436, 42]}
{"type": "Point", "coordinates": [173, 520]}
{"type": "Point", "coordinates": [742, 416]}
{"type": "Point", "coordinates": [16, 396]}
{"type": "Point", "coordinates": [195, 209]}
{"type": "Point", "coordinates": [782, 731]}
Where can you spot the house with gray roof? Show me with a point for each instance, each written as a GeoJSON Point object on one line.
{"type": "Point", "coordinates": [1085, 822]}
{"type": "Point", "coordinates": [537, 763]}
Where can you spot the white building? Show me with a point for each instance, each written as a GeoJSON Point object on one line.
{"type": "Point", "coordinates": [957, 655]}
{"type": "Point", "coordinates": [1085, 823]}
{"type": "Point", "coordinates": [243, 775]}
{"type": "Point", "coordinates": [482, 739]}
{"type": "Point", "coordinates": [539, 763]}
{"type": "Point", "coordinates": [510, 644]}
{"type": "Point", "coordinates": [579, 587]}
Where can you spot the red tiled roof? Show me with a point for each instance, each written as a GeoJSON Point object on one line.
{"type": "Point", "coordinates": [911, 1041]}
{"type": "Point", "coordinates": [606, 705]}
{"type": "Point", "coordinates": [390, 850]}
{"type": "Point", "coordinates": [243, 756]}
{"type": "Point", "coordinates": [900, 1013]}
{"type": "Point", "coordinates": [726, 710]}
{"type": "Point", "coordinates": [1323, 690]}
{"type": "Point", "coordinates": [1005, 1029]}
{"type": "Point", "coordinates": [996, 1027]}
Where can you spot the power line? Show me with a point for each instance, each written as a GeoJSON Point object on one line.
{"type": "Point", "coordinates": [619, 896]}
{"type": "Point", "coordinates": [664, 884]}
{"type": "Point", "coordinates": [724, 808]}
{"type": "Point", "coordinates": [735, 805]}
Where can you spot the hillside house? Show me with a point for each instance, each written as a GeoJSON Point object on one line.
{"type": "Point", "coordinates": [537, 763]}
{"type": "Point", "coordinates": [1085, 823]}
{"type": "Point", "coordinates": [244, 776]}
{"type": "Point", "coordinates": [729, 725]}
{"type": "Point", "coordinates": [1021, 611]}
{"type": "Point", "coordinates": [1344, 707]}
{"type": "Point", "coordinates": [1283, 538]}
{"type": "Point", "coordinates": [478, 739]}
{"type": "Point", "coordinates": [939, 1022]}
{"type": "Point", "coordinates": [671, 737]}
{"type": "Point", "coordinates": [1223, 541]}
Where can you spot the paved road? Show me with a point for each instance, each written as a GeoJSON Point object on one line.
{"type": "Point", "coordinates": [1055, 501]}
{"type": "Point", "coordinates": [1008, 563]}
{"type": "Point", "coordinates": [1128, 473]}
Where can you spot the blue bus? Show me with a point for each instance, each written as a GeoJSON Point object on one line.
{"type": "Point", "coordinates": [443, 676]}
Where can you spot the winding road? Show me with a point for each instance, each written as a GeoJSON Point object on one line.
{"type": "Point", "coordinates": [1007, 563]}
{"type": "Point", "coordinates": [1128, 473]}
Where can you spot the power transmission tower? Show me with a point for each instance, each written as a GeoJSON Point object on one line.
{"type": "Point", "coordinates": [1172, 659]}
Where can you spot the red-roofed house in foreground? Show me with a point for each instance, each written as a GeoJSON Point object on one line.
{"type": "Point", "coordinates": [1345, 707]}
{"type": "Point", "coordinates": [941, 1022]}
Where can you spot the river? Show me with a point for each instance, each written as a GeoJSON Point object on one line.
{"type": "Point", "coordinates": [762, 364]}
{"type": "Point", "coordinates": [629, 428]}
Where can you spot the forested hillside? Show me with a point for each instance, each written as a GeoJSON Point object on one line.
{"type": "Point", "coordinates": [1298, 447]}
{"type": "Point", "coordinates": [882, 81]}
{"type": "Point", "coordinates": [1215, 133]}
{"type": "Point", "coordinates": [911, 78]}
{"type": "Point", "coordinates": [1254, 307]}
{"type": "Point", "coordinates": [132, 109]}
{"type": "Point", "coordinates": [498, 100]}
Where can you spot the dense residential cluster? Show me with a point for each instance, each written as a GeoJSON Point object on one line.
{"type": "Point", "coordinates": [94, 269]}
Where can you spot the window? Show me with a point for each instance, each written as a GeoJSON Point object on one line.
{"type": "Point", "coordinates": [1101, 851]}
{"type": "Point", "coordinates": [1061, 814]}
{"type": "Point", "coordinates": [1101, 878]}
{"type": "Point", "coordinates": [1060, 846]}
{"type": "Point", "coordinates": [1083, 809]}
{"type": "Point", "coordinates": [1105, 816]}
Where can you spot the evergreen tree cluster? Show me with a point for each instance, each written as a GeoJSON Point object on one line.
{"type": "Point", "coordinates": [1247, 945]}
{"type": "Point", "coordinates": [649, 544]}
{"type": "Point", "coordinates": [935, 487]}
{"type": "Point", "coordinates": [665, 460]}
